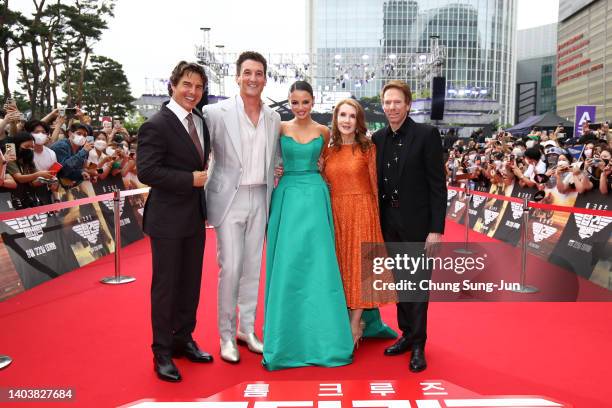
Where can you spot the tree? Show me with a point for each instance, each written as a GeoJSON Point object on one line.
{"type": "Point", "coordinates": [133, 122]}
{"type": "Point", "coordinates": [105, 89]}
{"type": "Point", "coordinates": [57, 35]}
{"type": "Point", "coordinates": [85, 22]}
{"type": "Point", "coordinates": [12, 30]}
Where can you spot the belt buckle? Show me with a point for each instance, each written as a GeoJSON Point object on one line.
{"type": "Point", "coordinates": [394, 203]}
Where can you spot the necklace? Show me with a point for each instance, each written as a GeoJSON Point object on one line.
{"type": "Point", "coordinates": [348, 143]}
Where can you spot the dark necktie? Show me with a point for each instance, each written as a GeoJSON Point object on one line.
{"type": "Point", "coordinates": [194, 136]}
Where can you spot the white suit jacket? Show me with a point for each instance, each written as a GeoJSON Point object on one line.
{"type": "Point", "coordinates": [225, 168]}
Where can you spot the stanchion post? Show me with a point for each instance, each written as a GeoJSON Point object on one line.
{"type": "Point", "coordinates": [525, 238]}
{"type": "Point", "coordinates": [117, 279]}
{"type": "Point", "coordinates": [5, 361]}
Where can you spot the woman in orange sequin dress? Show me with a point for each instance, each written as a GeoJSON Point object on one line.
{"type": "Point", "coordinates": [350, 171]}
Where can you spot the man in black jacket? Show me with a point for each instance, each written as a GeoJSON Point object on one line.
{"type": "Point", "coordinates": [412, 194]}
{"type": "Point", "coordinates": [173, 150]}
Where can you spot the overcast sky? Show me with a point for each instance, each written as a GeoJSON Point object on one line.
{"type": "Point", "coordinates": [148, 38]}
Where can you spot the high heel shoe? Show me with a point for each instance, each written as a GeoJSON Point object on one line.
{"type": "Point", "coordinates": [358, 336]}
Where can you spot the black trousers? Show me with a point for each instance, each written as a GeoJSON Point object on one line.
{"type": "Point", "coordinates": [175, 289]}
{"type": "Point", "coordinates": [411, 316]}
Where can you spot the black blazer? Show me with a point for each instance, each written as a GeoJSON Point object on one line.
{"type": "Point", "coordinates": [422, 184]}
{"type": "Point", "coordinates": [166, 158]}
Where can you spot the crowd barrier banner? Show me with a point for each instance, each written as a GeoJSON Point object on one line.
{"type": "Point", "coordinates": [571, 230]}
{"type": "Point", "coordinates": [493, 209]}
{"type": "Point", "coordinates": [585, 244]}
{"type": "Point", "coordinates": [44, 242]}
{"type": "Point", "coordinates": [509, 229]}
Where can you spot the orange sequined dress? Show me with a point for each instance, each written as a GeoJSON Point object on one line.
{"type": "Point", "coordinates": [351, 175]}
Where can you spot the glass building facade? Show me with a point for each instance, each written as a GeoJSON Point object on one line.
{"type": "Point", "coordinates": [360, 44]}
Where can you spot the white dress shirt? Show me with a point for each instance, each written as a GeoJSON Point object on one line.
{"type": "Point", "coordinates": [253, 141]}
{"type": "Point", "coordinates": [181, 114]}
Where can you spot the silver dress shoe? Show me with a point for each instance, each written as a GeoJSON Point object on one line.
{"type": "Point", "coordinates": [229, 351]}
{"type": "Point", "coordinates": [252, 342]}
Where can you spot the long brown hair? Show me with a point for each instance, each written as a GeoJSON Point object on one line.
{"type": "Point", "coordinates": [361, 139]}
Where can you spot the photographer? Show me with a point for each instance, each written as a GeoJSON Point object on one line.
{"type": "Point", "coordinates": [570, 177]}
{"type": "Point", "coordinates": [102, 158]}
{"type": "Point", "coordinates": [72, 153]}
{"type": "Point", "coordinates": [536, 165]}
{"type": "Point", "coordinates": [31, 189]}
{"type": "Point", "coordinates": [600, 170]}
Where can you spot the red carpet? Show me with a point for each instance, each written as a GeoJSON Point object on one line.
{"type": "Point", "coordinates": [76, 332]}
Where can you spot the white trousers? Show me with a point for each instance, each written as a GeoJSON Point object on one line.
{"type": "Point", "coordinates": [240, 239]}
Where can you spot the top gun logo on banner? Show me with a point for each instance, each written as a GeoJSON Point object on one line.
{"type": "Point", "coordinates": [585, 246]}
{"type": "Point", "coordinates": [546, 226]}
{"type": "Point", "coordinates": [130, 227]}
{"type": "Point", "coordinates": [37, 247]}
{"type": "Point", "coordinates": [493, 211]}
{"type": "Point", "coordinates": [477, 205]}
{"type": "Point", "coordinates": [509, 229]}
{"type": "Point", "coordinates": [455, 205]}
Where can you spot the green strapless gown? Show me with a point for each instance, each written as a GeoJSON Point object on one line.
{"type": "Point", "coordinates": [306, 321]}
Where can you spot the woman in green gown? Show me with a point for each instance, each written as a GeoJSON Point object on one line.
{"type": "Point", "coordinates": [306, 321]}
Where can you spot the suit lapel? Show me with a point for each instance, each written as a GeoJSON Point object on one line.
{"type": "Point", "coordinates": [181, 132]}
{"type": "Point", "coordinates": [231, 120]}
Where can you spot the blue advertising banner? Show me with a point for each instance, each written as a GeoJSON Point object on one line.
{"type": "Point", "coordinates": [583, 113]}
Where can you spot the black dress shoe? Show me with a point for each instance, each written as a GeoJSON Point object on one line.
{"type": "Point", "coordinates": [165, 368]}
{"type": "Point", "coordinates": [193, 353]}
{"type": "Point", "coordinates": [417, 360]}
{"type": "Point", "coordinates": [401, 346]}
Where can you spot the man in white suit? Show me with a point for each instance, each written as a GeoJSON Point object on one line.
{"type": "Point", "coordinates": [244, 135]}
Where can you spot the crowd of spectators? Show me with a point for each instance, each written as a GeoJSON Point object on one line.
{"type": "Point", "coordinates": [538, 160]}
{"type": "Point", "coordinates": [43, 158]}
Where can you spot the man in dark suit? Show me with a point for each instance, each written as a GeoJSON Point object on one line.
{"type": "Point", "coordinates": [412, 194]}
{"type": "Point", "coordinates": [173, 150]}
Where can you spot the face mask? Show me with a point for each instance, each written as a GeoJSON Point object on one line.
{"type": "Point", "coordinates": [530, 144]}
{"type": "Point", "coordinates": [498, 163]}
{"type": "Point", "coordinates": [78, 140]}
{"type": "Point", "coordinates": [40, 138]}
{"type": "Point", "coordinates": [26, 155]}
{"type": "Point", "coordinates": [562, 163]}
{"type": "Point", "coordinates": [110, 151]}
{"type": "Point", "coordinates": [472, 156]}
{"type": "Point", "coordinates": [588, 153]}
{"type": "Point", "coordinates": [100, 145]}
